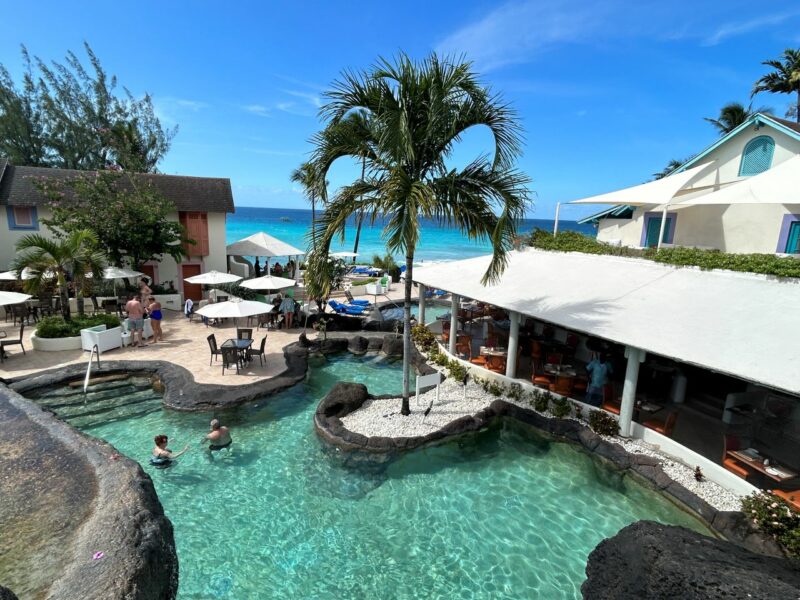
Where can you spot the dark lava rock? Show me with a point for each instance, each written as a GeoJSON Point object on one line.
{"type": "Point", "coordinates": [654, 561]}
{"type": "Point", "coordinates": [7, 594]}
{"type": "Point", "coordinates": [392, 345]}
{"type": "Point", "coordinates": [343, 399]}
{"type": "Point", "coordinates": [358, 344]}
{"type": "Point", "coordinates": [736, 527]}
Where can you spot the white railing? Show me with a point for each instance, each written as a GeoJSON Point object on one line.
{"type": "Point", "coordinates": [95, 352]}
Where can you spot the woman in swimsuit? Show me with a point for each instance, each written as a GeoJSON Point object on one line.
{"type": "Point", "coordinates": [163, 456]}
{"type": "Point", "coordinates": [154, 308]}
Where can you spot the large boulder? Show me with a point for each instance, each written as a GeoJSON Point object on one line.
{"type": "Point", "coordinates": [654, 561]}
{"type": "Point", "coordinates": [343, 399]}
{"type": "Point", "coordinates": [7, 594]}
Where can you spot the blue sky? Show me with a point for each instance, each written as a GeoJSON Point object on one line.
{"type": "Point", "coordinates": [607, 92]}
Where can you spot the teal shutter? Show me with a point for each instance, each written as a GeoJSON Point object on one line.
{"type": "Point", "coordinates": [793, 243]}
{"type": "Point", "coordinates": [757, 156]}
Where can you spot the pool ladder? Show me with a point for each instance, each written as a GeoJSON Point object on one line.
{"type": "Point", "coordinates": [95, 351]}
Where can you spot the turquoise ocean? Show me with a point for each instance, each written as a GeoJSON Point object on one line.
{"type": "Point", "coordinates": [437, 243]}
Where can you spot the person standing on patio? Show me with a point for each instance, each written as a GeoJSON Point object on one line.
{"type": "Point", "coordinates": [287, 308]}
{"type": "Point", "coordinates": [154, 308]}
{"type": "Point", "coordinates": [144, 290]}
{"type": "Point", "coordinates": [135, 312]}
{"type": "Point", "coordinates": [599, 370]}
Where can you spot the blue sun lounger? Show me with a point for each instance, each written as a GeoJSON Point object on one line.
{"type": "Point", "coordinates": [346, 309]}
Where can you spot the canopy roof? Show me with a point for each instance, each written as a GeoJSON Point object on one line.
{"type": "Point", "coordinates": [741, 324]}
{"type": "Point", "coordinates": [213, 278]}
{"type": "Point", "coordinates": [234, 308]}
{"type": "Point", "coordinates": [660, 191]}
{"type": "Point", "coordinates": [12, 298]}
{"type": "Point", "coordinates": [261, 244]}
{"type": "Point", "coordinates": [778, 185]}
{"type": "Point", "coordinates": [268, 282]}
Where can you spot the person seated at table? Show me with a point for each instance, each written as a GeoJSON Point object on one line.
{"type": "Point", "coordinates": [599, 370]}
{"type": "Point", "coordinates": [219, 436]}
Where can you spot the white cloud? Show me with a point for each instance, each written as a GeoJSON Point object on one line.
{"type": "Point", "coordinates": [312, 99]}
{"type": "Point", "coordinates": [733, 29]}
{"type": "Point", "coordinates": [169, 109]}
{"type": "Point", "coordinates": [257, 109]}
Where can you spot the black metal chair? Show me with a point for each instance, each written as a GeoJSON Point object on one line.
{"type": "Point", "coordinates": [215, 351]}
{"type": "Point", "coordinates": [20, 313]}
{"type": "Point", "coordinates": [244, 334]}
{"type": "Point", "coordinates": [230, 359]}
{"type": "Point", "coordinates": [260, 352]}
{"type": "Point", "coordinates": [7, 342]}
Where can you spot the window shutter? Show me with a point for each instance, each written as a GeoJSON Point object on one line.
{"type": "Point", "coordinates": [757, 156]}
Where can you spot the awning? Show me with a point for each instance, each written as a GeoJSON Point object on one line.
{"type": "Point", "coordinates": [660, 191]}
{"type": "Point", "coordinates": [268, 282]}
{"type": "Point", "coordinates": [741, 324]}
{"type": "Point", "coordinates": [778, 185]}
{"type": "Point", "coordinates": [262, 244]}
{"type": "Point", "coordinates": [213, 278]}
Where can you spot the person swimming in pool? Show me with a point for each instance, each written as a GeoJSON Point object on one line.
{"type": "Point", "coordinates": [219, 436]}
{"type": "Point", "coordinates": [163, 456]}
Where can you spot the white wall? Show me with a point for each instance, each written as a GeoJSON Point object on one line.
{"type": "Point", "coordinates": [737, 228]}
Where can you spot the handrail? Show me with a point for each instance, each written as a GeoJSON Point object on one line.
{"type": "Point", "coordinates": [89, 367]}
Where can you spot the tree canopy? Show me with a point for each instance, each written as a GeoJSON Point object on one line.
{"type": "Point", "coordinates": [734, 114]}
{"type": "Point", "coordinates": [126, 213]}
{"type": "Point", "coordinates": [65, 115]}
{"type": "Point", "coordinates": [785, 79]}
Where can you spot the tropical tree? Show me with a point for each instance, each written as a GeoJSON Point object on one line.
{"type": "Point", "coordinates": [404, 118]}
{"type": "Point", "coordinates": [734, 114]}
{"type": "Point", "coordinates": [785, 79]}
{"type": "Point", "coordinates": [304, 176]}
{"type": "Point", "coordinates": [669, 168]}
{"type": "Point", "coordinates": [69, 261]}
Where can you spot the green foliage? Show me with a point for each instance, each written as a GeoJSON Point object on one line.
{"type": "Point", "coordinates": [561, 407]}
{"type": "Point", "coordinates": [424, 338]}
{"type": "Point", "coordinates": [166, 287]}
{"type": "Point", "coordinates": [64, 115]}
{"type": "Point", "coordinates": [603, 423]}
{"type": "Point", "coordinates": [457, 371]}
{"type": "Point", "coordinates": [387, 264]}
{"type": "Point", "coordinates": [234, 289]}
{"type": "Point", "coordinates": [128, 215]}
{"type": "Point", "coordinates": [775, 517]}
{"type": "Point", "coordinates": [323, 275]}
{"type": "Point", "coordinates": [785, 79]}
{"type": "Point", "coordinates": [578, 410]}
{"type": "Point", "coordinates": [541, 401]}
{"type": "Point", "coordinates": [495, 388]}
{"type": "Point", "coordinates": [515, 392]}
{"type": "Point", "coordinates": [441, 359]}
{"type": "Point", "coordinates": [58, 327]}
{"type": "Point", "coordinates": [768, 264]}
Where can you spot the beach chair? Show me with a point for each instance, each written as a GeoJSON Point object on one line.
{"type": "Point", "coordinates": [355, 301]}
{"type": "Point", "coordinates": [345, 309]}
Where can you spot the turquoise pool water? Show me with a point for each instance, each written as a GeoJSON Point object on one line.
{"type": "Point", "coordinates": [432, 311]}
{"type": "Point", "coordinates": [502, 514]}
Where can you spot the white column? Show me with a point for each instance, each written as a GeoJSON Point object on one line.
{"type": "Point", "coordinates": [555, 223]}
{"type": "Point", "coordinates": [421, 316]}
{"type": "Point", "coordinates": [663, 225]}
{"type": "Point", "coordinates": [513, 344]}
{"type": "Point", "coordinates": [454, 299]}
{"type": "Point", "coordinates": [635, 357]}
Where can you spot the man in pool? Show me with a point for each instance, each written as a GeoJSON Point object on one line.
{"type": "Point", "coordinates": [220, 436]}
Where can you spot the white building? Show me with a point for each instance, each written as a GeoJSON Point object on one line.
{"type": "Point", "coordinates": [202, 205]}
{"type": "Point", "coordinates": [693, 218]}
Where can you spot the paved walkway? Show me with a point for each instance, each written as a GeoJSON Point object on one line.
{"type": "Point", "coordinates": [184, 344]}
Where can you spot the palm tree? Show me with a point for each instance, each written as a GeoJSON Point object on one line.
{"type": "Point", "coordinates": [404, 118]}
{"type": "Point", "coordinates": [785, 79]}
{"type": "Point", "coordinates": [72, 259]}
{"type": "Point", "coordinates": [304, 175]}
{"type": "Point", "coordinates": [671, 166]}
{"type": "Point", "coordinates": [734, 114]}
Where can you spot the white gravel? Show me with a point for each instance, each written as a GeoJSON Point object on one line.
{"type": "Point", "coordinates": [381, 417]}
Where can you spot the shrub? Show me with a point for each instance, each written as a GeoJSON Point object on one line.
{"type": "Point", "coordinates": [457, 371]}
{"type": "Point", "coordinates": [578, 411]}
{"type": "Point", "coordinates": [441, 359]}
{"type": "Point", "coordinates": [541, 401]}
{"type": "Point", "coordinates": [234, 289]}
{"type": "Point", "coordinates": [57, 327]}
{"type": "Point", "coordinates": [424, 338]}
{"type": "Point", "coordinates": [515, 391]}
{"type": "Point", "coordinates": [495, 389]}
{"type": "Point", "coordinates": [561, 408]}
{"type": "Point", "coordinates": [774, 517]}
{"type": "Point", "coordinates": [603, 423]}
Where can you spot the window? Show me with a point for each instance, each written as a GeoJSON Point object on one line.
{"type": "Point", "coordinates": [793, 241]}
{"type": "Point", "coordinates": [757, 156]}
{"type": "Point", "coordinates": [22, 217]}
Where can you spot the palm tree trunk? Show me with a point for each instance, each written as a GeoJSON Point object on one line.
{"type": "Point", "coordinates": [797, 111]}
{"type": "Point", "coordinates": [360, 217]}
{"type": "Point", "coordinates": [64, 295]}
{"type": "Point", "coordinates": [313, 221]}
{"type": "Point", "coordinates": [406, 409]}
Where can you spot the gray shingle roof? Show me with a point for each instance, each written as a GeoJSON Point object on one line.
{"type": "Point", "coordinates": [201, 194]}
{"type": "Point", "coordinates": [785, 123]}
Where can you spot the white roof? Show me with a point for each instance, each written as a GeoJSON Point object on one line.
{"type": "Point", "coordinates": [778, 185]}
{"type": "Point", "coordinates": [742, 324]}
{"type": "Point", "coordinates": [261, 244]}
{"type": "Point", "coordinates": [660, 191]}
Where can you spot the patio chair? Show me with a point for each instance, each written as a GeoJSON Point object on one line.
{"type": "Point", "coordinates": [562, 385]}
{"type": "Point", "coordinates": [536, 353]}
{"type": "Point", "coordinates": [663, 427]}
{"type": "Point", "coordinates": [554, 358]}
{"type": "Point", "coordinates": [17, 342]}
{"type": "Point", "coordinates": [215, 351]}
{"type": "Point", "coordinates": [792, 498]}
{"type": "Point", "coordinates": [260, 352]}
{"type": "Point", "coordinates": [244, 334]}
{"type": "Point", "coordinates": [20, 313]}
{"type": "Point", "coordinates": [464, 350]}
{"type": "Point", "coordinates": [732, 442]}
{"type": "Point", "coordinates": [355, 301]}
{"type": "Point", "coordinates": [230, 359]}
{"type": "Point", "coordinates": [541, 379]}
{"type": "Point", "coordinates": [496, 364]}
{"type": "Point", "coordinates": [478, 360]}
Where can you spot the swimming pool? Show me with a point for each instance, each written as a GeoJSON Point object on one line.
{"type": "Point", "coordinates": [500, 514]}
{"type": "Point", "coordinates": [432, 311]}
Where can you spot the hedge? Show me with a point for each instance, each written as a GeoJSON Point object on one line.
{"type": "Point", "coordinates": [57, 327]}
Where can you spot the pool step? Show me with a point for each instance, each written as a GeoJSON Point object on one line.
{"type": "Point", "coordinates": [105, 405]}
{"type": "Point", "coordinates": [90, 397]}
{"type": "Point", "coordinates": [68, 392]}
{"type": "Point", "coordinates": [135, 411]}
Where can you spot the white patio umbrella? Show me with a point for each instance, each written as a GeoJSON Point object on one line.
{"type": "Point", "coordinates": [232, 309]}
{"type": "Point", "coordinates": [213, 278]}
{"type": "Point", "coordinates": [12, 276]}
{"type": "Point", "coordinates": [120, 273]}
{"type": "Point", "coordinates": [268, 282]}
{"type": "Point", "coordinates": [13, 298]}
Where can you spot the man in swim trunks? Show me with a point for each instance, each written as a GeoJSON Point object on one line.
{"type": "Point", "coordinates": [220, 436]}
{"type": "Point", "coordinates": [135, 312]}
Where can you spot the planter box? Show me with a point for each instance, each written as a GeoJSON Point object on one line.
{"type": "Point", "coordinates": [55, 344]}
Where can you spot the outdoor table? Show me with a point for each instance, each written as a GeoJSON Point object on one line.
{"type": "Point", "coordinates": [647, 407]}
{"type": "Point", "coordinates": [486, 351]}
{"type": "Point", "coordinates": [772, 471]}
{"type": "Point", "coordinates": [241, 345]}
{"type": "Point", "coordinates": [563, 370]}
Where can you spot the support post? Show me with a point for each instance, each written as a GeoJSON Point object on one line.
{"type": "Point", "coordinates": [663, 225]}
{"type": "Point", "coordinates": [555, 223]}
{"type": "Point", "coordinates": [513, 344]}
{"type": "Point", "coordinates": [635, 357]}
{"type": "Point", "coordinates": [454, 299]}
{"type": "Point", "coordinates": [421, 316]}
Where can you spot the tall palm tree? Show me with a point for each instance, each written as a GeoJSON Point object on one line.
{"type": "Point", "coordinates": [669, 168]}
{"type": "Point", "coordinates": [734, 114]}
{"type": "Point", "coordinates": [304, 176]}
{"type": "Point", "coordinates": [785, 79]}
{"type": "Point", "coordinates": [404, 118]}
{"type": "Point", "coordinates": [72, 259]}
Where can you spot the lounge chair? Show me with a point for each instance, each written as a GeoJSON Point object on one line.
{"type": "Point", "coordinates": [260, 352]}
{"type": "Point", "coordinates": [7, 342]}
{"type": "Point", "coordinates": [346, 309]}
{"type": "Point", "coordinates": [356, 301]}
